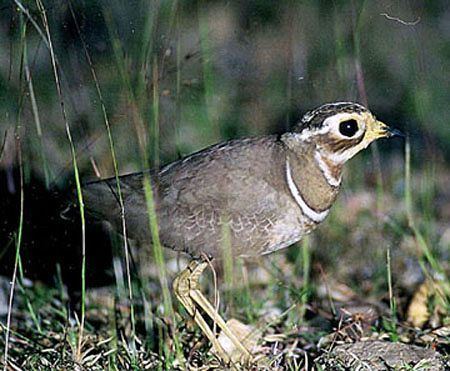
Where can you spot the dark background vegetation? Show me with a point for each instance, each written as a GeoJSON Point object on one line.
{"type": "Point", "coordinates": [177, 76]}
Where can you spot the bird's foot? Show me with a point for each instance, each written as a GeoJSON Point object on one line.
{"type": "Point", "coordinates": [187, 290]}
{"type": "Point", "coordinates": [248, 336]}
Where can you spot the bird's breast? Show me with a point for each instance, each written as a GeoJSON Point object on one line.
{"type": "Point", "coordinates": [290, 228]}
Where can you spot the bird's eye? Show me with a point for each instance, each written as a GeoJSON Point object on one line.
{"type": "Point", "coordinates": [348, 128]}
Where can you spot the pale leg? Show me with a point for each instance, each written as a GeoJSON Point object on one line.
{"type": "Point", "coordinates": [187, 290]}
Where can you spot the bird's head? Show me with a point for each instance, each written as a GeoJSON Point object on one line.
{"type": "Point", "coordinates": [340, 130]}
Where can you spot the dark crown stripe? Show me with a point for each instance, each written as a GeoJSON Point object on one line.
{"type": "Point", "coordinates": [315, 118]}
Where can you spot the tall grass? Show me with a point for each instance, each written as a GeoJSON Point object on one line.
{"type": "Point", "coordinates": [139, 101]}
{"type": "Point", "coordinates": [392, 302]}
{"type": "Point", "coordinates": [18, 237]}
{"type": "Point", "coordinates": [56, 76]}
{"type": "Point", "coordinates": [116, 175]}
{"type": "Point", "coordinates": [425, 254]}
{"type": "Point", "coordinates": [228, 265]}
{"type": "Point", "coordinates": [16, 260]}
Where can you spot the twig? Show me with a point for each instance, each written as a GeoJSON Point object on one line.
{"type": "Point", "coordinates": [3, 144]}
{"type": "Point", "coordinates": [406, 23]}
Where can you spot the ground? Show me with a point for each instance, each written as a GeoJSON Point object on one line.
{"type": "Point", "coordinates": [369, 304]}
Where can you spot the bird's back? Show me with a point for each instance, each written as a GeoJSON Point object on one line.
{"type": "Point", "coordinates": [232, 195]}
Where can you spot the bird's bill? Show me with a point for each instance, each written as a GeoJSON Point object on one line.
{"type": "Point", "coordinates": [381, 130]}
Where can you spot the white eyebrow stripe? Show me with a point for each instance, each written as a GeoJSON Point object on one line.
{"type": "Point", "coordinates": [325, 169]}
{"type": "Point", "coordinates": [306, 210]}
{"type": "Point", "coordinates": [305, 134]}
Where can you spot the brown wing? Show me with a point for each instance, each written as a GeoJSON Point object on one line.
{"type": "Point", "coordinates": [221, 197]}
{"type": "Point", "coordinates": [225, 198]}
{"type": "Point", "coordinates": [211, 216]}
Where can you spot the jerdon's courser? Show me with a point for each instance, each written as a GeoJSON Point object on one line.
{"type": "Point", "coordinates": [267, 192]}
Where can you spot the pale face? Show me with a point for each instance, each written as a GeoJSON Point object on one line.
{"type": "Point", "coordinates": [342, 135]}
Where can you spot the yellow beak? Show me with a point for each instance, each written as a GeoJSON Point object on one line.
{"type": "Point", "coordinates": [381, 130]}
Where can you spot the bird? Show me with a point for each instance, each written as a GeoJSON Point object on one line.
{"type": "Point", "coordinates": [267, 192]}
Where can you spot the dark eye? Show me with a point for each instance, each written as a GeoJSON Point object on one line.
{"type": "Point", "coordinates": [348, 128]}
